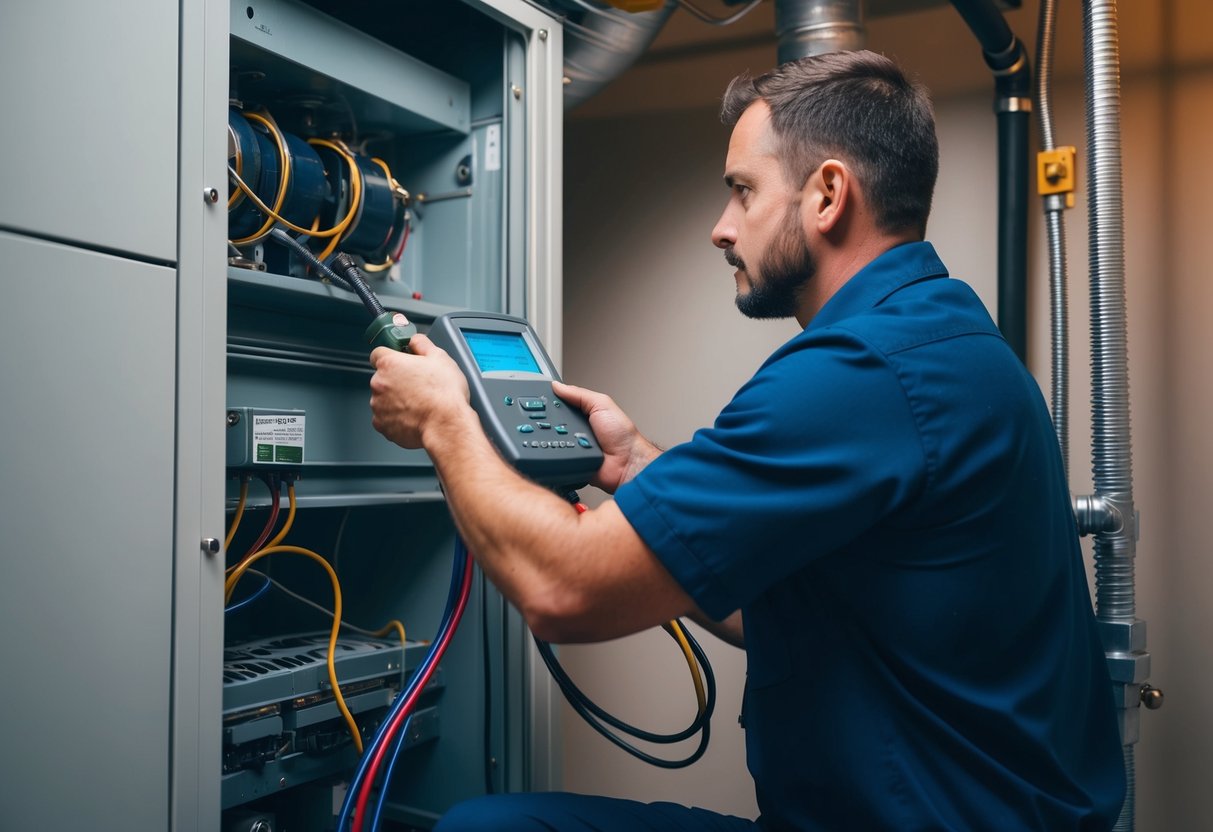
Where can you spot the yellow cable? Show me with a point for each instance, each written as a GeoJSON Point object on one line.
{"type": "Point", "coordinates": [394, 624]}
{"type": "Point", "coordinates": [230, 585]}
{"type": "Point", "coordinates": [234, 195]}
{"type": "Point", "coordinates": [231, 533]}
{"type": "Point", "coordinates": [389, 627]}
{"type": "Point", "coordinates": [242, 187]}
{"type": "Point", "coordinates": [674, 628]}
{"type": "Point", "coordinates": [389, 261]}
{"type": "Point", "coordinates": [284, 177]}
{"type": "Point", "coordinates": [290, 517]}
{"type": "Point", "coordinates": [355, 189]}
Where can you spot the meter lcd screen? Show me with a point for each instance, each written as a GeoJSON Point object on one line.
{"type": "Point", "coordinates": [501, 352]}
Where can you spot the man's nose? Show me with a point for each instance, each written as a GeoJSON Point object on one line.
{"type": "Point", "coordinates": [725, 232]}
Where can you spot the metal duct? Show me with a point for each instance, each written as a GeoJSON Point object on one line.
{"type": "Point", "coordinates": [812, 27]}
{"type": "Point", "coordinates": [601, 42]}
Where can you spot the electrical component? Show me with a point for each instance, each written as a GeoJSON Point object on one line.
{"type": "Point", "coordinates": [280, 717]}
{"type": "Point", "coordinates": [278, 179]}
{"type": "Point", "coordinates": [265, 438]}
{"type": "Point", "coordinates": [278, 168]}
{"type": "Point", "coordinates": [510, 377]}
{"type": "Point", "coordinates": [1057, 172]}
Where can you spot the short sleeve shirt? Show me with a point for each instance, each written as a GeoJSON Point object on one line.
{"type": "Point", "coordinates": [885, 503]}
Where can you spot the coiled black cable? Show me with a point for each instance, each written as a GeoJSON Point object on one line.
{"type": "Point", "coordinates": [595, 716]}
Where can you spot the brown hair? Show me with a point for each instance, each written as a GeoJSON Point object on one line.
{"type": "Point", "coordinates": [860, 108]}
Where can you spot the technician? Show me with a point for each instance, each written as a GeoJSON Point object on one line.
{"type": "Point", "coordinates": [882, 506]}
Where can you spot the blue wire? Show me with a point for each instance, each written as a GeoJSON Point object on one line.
{"type": "Point", "coordinates": [261, 590]}
{"type": "Point", "coordinates": [458, 564]}
{"type": "Point", "coordinates": [387, 775]}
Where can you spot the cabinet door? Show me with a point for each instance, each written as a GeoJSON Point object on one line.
{"type": "Point", "coordinates": [90, 123]}
{"type": "Point", "coordinates": [86, 537]}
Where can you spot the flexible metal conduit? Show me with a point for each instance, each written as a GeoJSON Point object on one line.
{"type": "Point", "coordinates": [1112, 453]}
{"type": "Point", "coordinates": [601, 42]}
{"type": "Point", "coordinates": [1055, 229]}
{"type": "Point", "coordinates": [813, 27]}
{"type": "Point", "coordinates": [1008, 61]}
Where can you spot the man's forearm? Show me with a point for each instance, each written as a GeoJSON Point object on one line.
{"type": "Point", "coordinates": [575, 577]}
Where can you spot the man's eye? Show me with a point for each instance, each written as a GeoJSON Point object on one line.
{"type": "Point", "coordinates": [741, 190]}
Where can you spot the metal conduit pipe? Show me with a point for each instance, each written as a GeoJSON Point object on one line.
{"type": "Point", "coordinates": [813, 27]}
{"type": "Point", "coordinates": [1008, 61]}
{"type": "Point", "coordinates": [1055, 230]}
{"type": "Point", "coordinates": [1124, 635]}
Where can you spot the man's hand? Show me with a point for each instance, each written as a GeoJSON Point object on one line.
{"type": "Point", "coordinates": [626, 451]}
{"type": "Point", "coordinates": [415, 390]}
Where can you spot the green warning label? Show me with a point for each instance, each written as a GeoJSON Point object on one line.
{"type": "Point", "coordinates": [288, 453]}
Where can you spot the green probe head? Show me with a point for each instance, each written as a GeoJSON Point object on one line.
{"type": "Point", "coordinates": [391, 330]}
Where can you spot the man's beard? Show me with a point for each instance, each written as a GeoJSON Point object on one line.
{"type": "Point", "coordinates": [784, 272]}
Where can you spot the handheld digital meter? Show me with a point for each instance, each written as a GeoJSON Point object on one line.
{"type": "Point", "coordinates": [510, 378]}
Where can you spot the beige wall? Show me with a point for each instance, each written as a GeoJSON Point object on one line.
{"type": "Point", "coordinates": [649, 318]}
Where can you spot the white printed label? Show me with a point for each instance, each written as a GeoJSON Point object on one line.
{"type": "Point", "coordinates": [278, 438]}
{"type": "Point", "coordinates": [492, 147]}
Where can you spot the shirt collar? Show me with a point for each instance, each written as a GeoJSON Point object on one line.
{"type": "Point", "coordinates": [899, 266]}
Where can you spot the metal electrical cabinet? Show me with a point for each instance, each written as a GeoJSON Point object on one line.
{"type": "Point", "coordinates": [131, 331]}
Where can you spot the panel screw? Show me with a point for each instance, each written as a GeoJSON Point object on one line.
{"type": "Point", "coordinates": [233, 418]}
{"type": "Point", "coordinates": [211, 195]}
{"type": "Point", "coordinates": [517, 90]}
{"type": "Point", "coordinates": [1151, 697]}
{"type": "Point", "coordinates": [211, 545]}
{"type": "Point", "coordinates": [543, 34]}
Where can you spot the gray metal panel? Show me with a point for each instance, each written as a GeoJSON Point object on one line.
{"type": "Point", "coordinates": [86, 505]}
{"type": "Point", "coordinates": [201, 366]}
{"type": "Point", "coordinates": [90, 123]}
{"type": "Point", "coordinates": [428, 100]}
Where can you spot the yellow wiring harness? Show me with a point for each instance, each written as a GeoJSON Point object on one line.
{"type": "Point", "coordinates": [284, 178]}
{"type": "Point", "coordinates": [286, 527]}
{"type": "Point", "coordinates": [234, 578]}
{"type": "Point", "coordinates": [234, 573]}
{"type": "Point", "coordinates": [273, 215]}
{"type": "Point", "coordinates": [355, 189]}
{"type": "Point", "coordinates": [674, 628]}
{"type": "Point", "coordinates": [400, 193]}
{"type": "Point", "coordinates": [231, 533]}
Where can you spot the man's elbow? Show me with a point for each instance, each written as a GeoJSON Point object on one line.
{"type": "Point", "coordinates": [562, 617]}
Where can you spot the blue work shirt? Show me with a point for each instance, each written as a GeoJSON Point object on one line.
{"type": "Point", "coordinates": [885, 502]}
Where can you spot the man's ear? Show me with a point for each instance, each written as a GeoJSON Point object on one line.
{"type": "Point", "coordinates": [828, 193]}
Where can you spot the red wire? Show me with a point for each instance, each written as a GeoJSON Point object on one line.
{"type": "Point", "coordinates": [269, 526]}
{"type": "Point", "coordinates": [404, 238]}
{"type": "Point", "coordinates": [364, 794]}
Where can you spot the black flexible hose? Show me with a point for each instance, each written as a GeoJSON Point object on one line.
{"type": "Point", "coordinates": [1008, 61]}
{"type": "Point", "coordinates": [280, 236]}
{"type": "Point", "coordinates": [1013, 177]}
{"type": "Point", "coordinates": [987, 24]}
{"type": "Point", "coordinates": [595, 715]}
{"type": "Point", "coordinates": [346, 265]}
